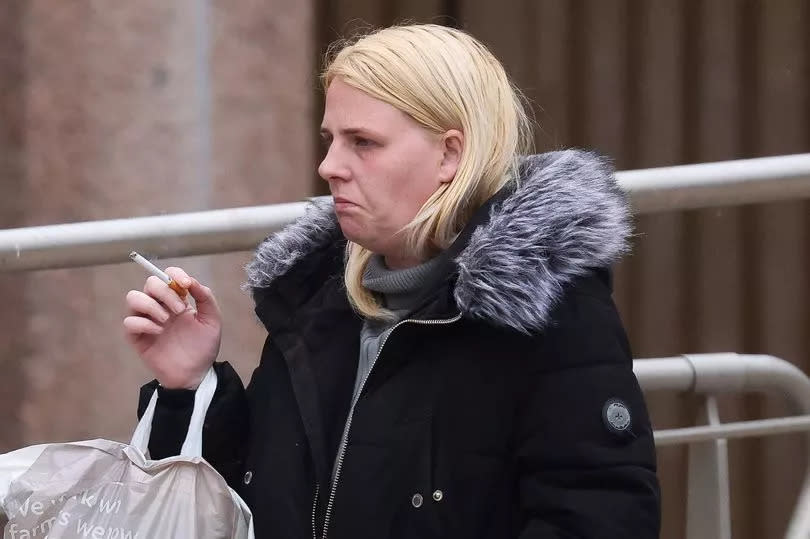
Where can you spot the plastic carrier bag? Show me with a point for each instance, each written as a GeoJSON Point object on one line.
{"type": "Point", "coordinates": [100, 489]}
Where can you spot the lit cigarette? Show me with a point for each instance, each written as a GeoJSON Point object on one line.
{"type": "Point", "coordinates": [159, 273]}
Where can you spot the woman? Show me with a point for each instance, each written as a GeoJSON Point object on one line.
{"type": "Point", "coordinates": [443, 355]}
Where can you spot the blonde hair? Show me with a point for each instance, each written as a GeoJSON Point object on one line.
{"type": "Point", "coordinates": [444, 79]}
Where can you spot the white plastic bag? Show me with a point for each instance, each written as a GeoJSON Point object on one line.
{"type": "Point", "coordinates": [101, 489]}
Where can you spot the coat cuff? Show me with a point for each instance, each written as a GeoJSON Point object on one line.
{"type": "Point", "coordinates": [225, 423]}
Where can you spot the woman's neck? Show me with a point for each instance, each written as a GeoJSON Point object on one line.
{"type": "Point", "coordinates": [398, 262]}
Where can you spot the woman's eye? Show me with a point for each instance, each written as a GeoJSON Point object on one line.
{"type": "Point", "coordinates": [362, 142]}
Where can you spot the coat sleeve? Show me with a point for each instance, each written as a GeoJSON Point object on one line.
{"type": "Point", "coordinates": [583, 473]}
{"type": "Point", "coordinates": [225, 431]}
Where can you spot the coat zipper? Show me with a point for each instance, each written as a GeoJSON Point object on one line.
{"type": "Point", "coordinates": [314, 510]}
{"type": "Point", "coordinates": [345, 442]}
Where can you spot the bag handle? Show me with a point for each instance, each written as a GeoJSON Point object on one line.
{"type": "Point", "coordinates": [192, 446]}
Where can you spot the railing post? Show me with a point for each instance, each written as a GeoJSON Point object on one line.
{"type": "Point", "coordinates": [708, 512]}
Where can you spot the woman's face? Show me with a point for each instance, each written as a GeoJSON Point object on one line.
{"type": "Point", "coordinates": [381, 166]}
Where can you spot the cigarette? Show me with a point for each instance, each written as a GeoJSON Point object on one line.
{"type": "Point", "coordinates": [159, 273]}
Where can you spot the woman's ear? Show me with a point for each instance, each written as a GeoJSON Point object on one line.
{"type": "Point", "coordinates": [452, 147]}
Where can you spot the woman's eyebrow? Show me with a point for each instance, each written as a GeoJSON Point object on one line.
{"type": "Point", "coordinates": [350, 131]}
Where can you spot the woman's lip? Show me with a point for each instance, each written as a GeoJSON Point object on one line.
{"type": "Point", "coordinates": [343, 204]}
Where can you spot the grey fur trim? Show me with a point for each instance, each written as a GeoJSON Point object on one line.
{"type": "Point", "coordinates": [566, 215]}
{"type": "Point", "coordinates": [281, 251]}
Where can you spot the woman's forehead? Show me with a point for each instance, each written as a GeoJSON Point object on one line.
{"type": "Point", "coordinates": [348, 109]}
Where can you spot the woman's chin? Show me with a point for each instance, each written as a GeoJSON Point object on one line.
{"type": "Point", "coordinates": [356, 233]}
{"type": "Point", "coordinates": [352, 230]}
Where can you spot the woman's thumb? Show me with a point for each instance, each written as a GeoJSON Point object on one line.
{"type": "Point", "coordinates": [207, 308]}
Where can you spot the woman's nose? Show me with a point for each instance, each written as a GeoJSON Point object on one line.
{"type": "Point", "coordinates": [331, 167]}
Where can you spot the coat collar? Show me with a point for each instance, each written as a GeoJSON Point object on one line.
{"type": "Point", "coordinates": [565, 216]}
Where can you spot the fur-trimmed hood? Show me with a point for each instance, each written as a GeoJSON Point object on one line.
{"type": "Point", "coordinates": [564, 217]}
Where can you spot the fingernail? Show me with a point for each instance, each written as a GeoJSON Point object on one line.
{"type": "Point", "coordinates": [186, 283]}
{"type": "Point", "coordinates": [179, 308]}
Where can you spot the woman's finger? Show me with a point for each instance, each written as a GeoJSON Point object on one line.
{"type": "Point", "coordinates": [137, 325]}
{"type": "Point", "coordinates": [160, 291]}
{"type": "Point", "coordinates": [141, 304]}
{"type": "Point", "coordinates": [179, 275]}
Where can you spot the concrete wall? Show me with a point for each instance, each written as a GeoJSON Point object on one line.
{"type": "Point", "coordinates": [126, 109]}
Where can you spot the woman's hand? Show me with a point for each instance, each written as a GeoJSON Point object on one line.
{"type": "Point", "coordinates": [176, 342]}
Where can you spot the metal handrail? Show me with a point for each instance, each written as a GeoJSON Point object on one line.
{"type": "Point", "coordinates": [738, 429]}
{"type": "Point", "coordinates": [766, 179]}
{"type": "Point", "coordinates": [109, 242]}
{"type": "Point", "coordinates": [710, 374]}
{"type": "Point", "coordinates": [722, 183]}
{"type": "Point", "coordinates": [724, 373]}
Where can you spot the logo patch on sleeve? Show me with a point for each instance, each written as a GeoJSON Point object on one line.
{"type": "Point", "coordinates": [616, 416]}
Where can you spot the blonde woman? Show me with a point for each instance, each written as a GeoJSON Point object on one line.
{"type": "Point", "coordinates": [443, 355]}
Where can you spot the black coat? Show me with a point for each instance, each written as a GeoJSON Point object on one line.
{"type": "Point", "coordinates": [504, 407]}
